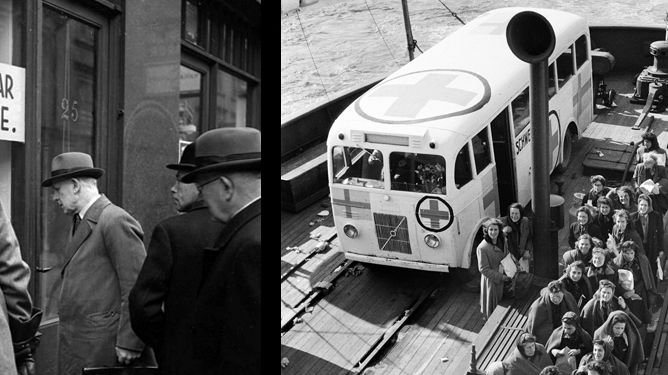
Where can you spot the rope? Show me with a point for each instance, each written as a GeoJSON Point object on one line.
{"type": "Point", "coordinates": [380, 33]}
{"type": "Point", "coordinates": [453, 13]}
{"type": "Point", "coordinates": [310, 53]}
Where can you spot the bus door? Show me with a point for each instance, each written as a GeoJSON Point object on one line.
{"type": "Point", "coordinates": [505, 161]}
{"type": "Point", "coordinates": [522, 145]}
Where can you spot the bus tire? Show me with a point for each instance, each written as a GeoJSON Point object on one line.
{"type": "Point", "coordinates": [567, 149]}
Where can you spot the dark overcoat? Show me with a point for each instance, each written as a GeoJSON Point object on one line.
{"type": "Point", "coordinates": [491, 280]}
{"type": "Point", "coordinates": [635, 353]}
{"type": "Point", "coordinates": [226, 327]}
{"type": "Point", "coordinates": [171, 275]}
{"type": "Point", "coordinates": [539, 320]}
{"type": "Point", "coordinates": [102, 261]}
{"type": "Point", "coordinates": [652, 241]}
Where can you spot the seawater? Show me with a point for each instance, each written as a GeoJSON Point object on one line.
{"type": "Point", "coordinates": [350, 49]}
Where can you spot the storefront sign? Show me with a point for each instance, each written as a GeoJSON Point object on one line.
{"type": "Point", "coordinates": [12, 103]}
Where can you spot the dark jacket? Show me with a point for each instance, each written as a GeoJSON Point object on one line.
{"type": "Point", "coordinates": [171, 275]}
{"type": "Point", "coordinates": [540, 320]}
{"type": "Point", "coordinates": [652, 242]}
{"type": "Point", "coordinates": [226, 326]}
{"type": "Point", "coordinates": [576, 230]}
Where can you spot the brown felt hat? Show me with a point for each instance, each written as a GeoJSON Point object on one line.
{"type": "Point", "coordinates": [226, 149]}
{"type": "Point", "coordinates": [72, 164]}
{"type": "Point", "coordinates": [187, 162]}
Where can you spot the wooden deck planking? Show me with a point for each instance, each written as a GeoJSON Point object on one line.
{"type": "Point", "coordinates": [295, 228]}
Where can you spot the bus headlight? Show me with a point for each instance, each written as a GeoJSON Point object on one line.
{"type": "Point", "coordinates": [432, 241]}
{"type": "Point", "coordinates": [350, 231]}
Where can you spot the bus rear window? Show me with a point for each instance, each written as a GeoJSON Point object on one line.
{"type": "Point", "coordinates": [358, 166]}
{"type": "Point", "coordinates": [420, 173]}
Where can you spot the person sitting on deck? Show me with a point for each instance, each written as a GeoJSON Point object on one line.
{"type": "Point", "coordinates": [490, 252]}
{"type": "Point", "coordinates": [622, 231]}
{"type": "Point", "coordinates": [599, 268]}
{"type": "Point", "coordinates": [636, 304]}
{"type": "Point", "coordinates": [650, 178]}
{"type": "Point", "coordinates": [546, 311]}
{"type": "Point", "coordinates": [576, 284]}
{"type": "Point", "coordinates": [602, 352]}
{"type": "Point", "coordinates": [569, 341]}
{"type": "Point", "coordinates": [626, 339]}
{"type": "Point", "coordinates": [581, 252]}
{"type": "Point", "coordinates": [623, 198]}
{"type": "Point", "coordinates": [528, 357]}
{"type": "Point", "coordinates": [601, 305]}
{"type": "Point", "coordinates": [604, 218]}
{"type": "Point", "coordinates": [583, 225]}
{"type": "Point", "coordinates": [519, 233]}
{"type": "Point", "coordinates": [649, 225]}
{"type": "Point", "coordinates": [650, 145]}
{"type": "Point", "coordinates": [631, 259]}
{"type": "Point", "coordinates": [598, 190]}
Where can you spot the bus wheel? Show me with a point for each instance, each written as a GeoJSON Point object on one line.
{"type": "Point", "coordinates": [567, 148]}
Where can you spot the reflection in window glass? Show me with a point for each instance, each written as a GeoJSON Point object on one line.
{"type": "Point", "coordinates": [565, 67]}
{"type": "Point", "coordinates": [463, 172]}
{"type": "Point", "coordinates": [190, 99]}
{"type": "Point", "coordinates": [358, 167]}
{"type": "Point", "coordinates": [481, 151]}
{"type": "Point", "coordinates": [417, 172]}
{"type": "Point", "coordinates": [231, 101]}
{"type": "Point", "coordinates": [551, 83]}
{"type": "Point", "coordinates": [581, 51]}
{"type": "Point", "coordinates": [191, 23]}
{"type": "Point", "coordinates": [521, 111]}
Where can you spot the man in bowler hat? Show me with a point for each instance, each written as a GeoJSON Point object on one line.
{"type": "Point", "coordinates": [162, 301]}
{"type": "Point", "coordinates": [226, 326]}
{"type": "Point", "coordinates": [103, 256]}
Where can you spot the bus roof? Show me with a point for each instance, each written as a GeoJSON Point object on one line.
{"type": "Point", "coordinates": [464, 80]}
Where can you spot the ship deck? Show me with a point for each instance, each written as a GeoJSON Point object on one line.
{"type": "Point", "coordinates": [340, 317]}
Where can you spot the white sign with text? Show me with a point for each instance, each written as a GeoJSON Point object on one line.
{"type": "Point", "coordinates": [12, 103]}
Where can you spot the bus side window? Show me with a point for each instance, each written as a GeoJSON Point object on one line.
{"type": "Point", "coordinates": [520, 107]}
{"type": "Point", "coordinates": [552, 84]}
{"type": "Point", "coordinates": [565, 66]}
{"type": "Point", "coordinates": [481, 151]}
{"type": "Point", "coordinates": [463, 172]}
{"type": "Point", "coordinates": [581, 51]}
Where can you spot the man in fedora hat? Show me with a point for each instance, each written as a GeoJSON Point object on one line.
{"type": "Point", "coordinates": [162, 300]}
{"type": "Point", "coordinates": [226, 333]}
{"type": "Point", "coordinates": [103, 256]}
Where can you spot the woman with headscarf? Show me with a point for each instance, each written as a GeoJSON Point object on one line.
{"type": "Point", "coordinates": [528, 357]}
{"type": "Point", "coordinates": [602, 351]}
{"type": "Point", "coordinates": [629, 258]}
{"type": "Point", "coordinates": [490, 252]}
{"type": "Point", "coordinates": [649, 225]}
{"type": "Point", "coordinates": [569, 340]}
{"type": "Point", "coordinates": [600, 267]}
{"type": "Point", "coordinates": [604, 218]}
{"type": "Point", "coordinates": [650, 145]}
{"type": "Point", "coordinates": [584, 224]}
{"type": "Point", "coordinates": [627, 343]}
{"type": "Point", "coordinates": [623, 231]}
{"type": "Point", "coordinates": [576, 283]}
{"type": "Point", "coordinates": [546, 311]}
{"type": "Point", "coordinates": [581, 252]}
{"type": "Point", "coordinates": [519, 233]}
{"type": "Point", "coordinates": [601, 305]}
{"type": "Point", "coordinates": [652, 179]}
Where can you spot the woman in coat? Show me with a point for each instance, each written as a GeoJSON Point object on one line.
{"type": "Point", "coordinates": [627, 343]}
{"type": "Point", "coordinates": [581, 252]}
{"type": "Point", "coordinates": [601, 305]}
{"type": "Point", "coordinates": [528, 357]}
{"type": "Point", "coordinates": [602, 351]}
{"type": "Point", "coordinates": [583, 225]}
{"type": "Point", "coordinates": [576, 283]}
{"type": "Point", "coordinates": [631, 259]}
{"type": "Point", "coordinates": [600, 268]}
{"type": "Point", "coordinates": [519, 233]}
{"type": "Point", "coordinates": [623, 231]}
{"type": "Point", "coordinates": [490, 252]}
{"type": "Point", "coordinates": [546, 311]}
{"type": "Point", "coordinates": [623, 198]}
{"type": "Point", "coordinates": [604, 218]}
{"type": "Point", "coordinates": [649, 225]}
{"type": "Point", "coordinates": [598, 189]}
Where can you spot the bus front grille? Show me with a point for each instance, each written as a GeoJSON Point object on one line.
{"type": "Point", "coordinates": [392, 233]}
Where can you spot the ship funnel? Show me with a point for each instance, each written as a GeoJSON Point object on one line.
{"type": "Point", "coordinates": [530, 36]}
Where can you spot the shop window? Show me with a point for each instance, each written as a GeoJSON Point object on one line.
{"type": "Point", "coordinates": [463, 171]}
{"type": "Point", "coordinates": [481, 150]}
{"type": "Point", "coordinates": [358, 166]}
{"type": "Point", "coordinates": [417, 172]}
{"type": "Point", "coordinates": [190, 102]}
{"type": "Point", "coordinates": [520, 107]}
{"type": "Point", "coordinates": [231, 101]}
{"type": "Point", "coordinates": [565, 67]}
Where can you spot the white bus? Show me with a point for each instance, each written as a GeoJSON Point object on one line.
{"type": "Point", "coordinates": [421, 159]}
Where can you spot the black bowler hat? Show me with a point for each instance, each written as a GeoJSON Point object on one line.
{"type": "Point", "coordinates": [72, 164]}
{"type": "Point", "coordinates": [187, 162]}
{"type": "Point", "coordinates": [226, 149]}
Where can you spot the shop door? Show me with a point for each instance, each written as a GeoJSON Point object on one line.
{"type": "Point", "coordinates": [73, 104]}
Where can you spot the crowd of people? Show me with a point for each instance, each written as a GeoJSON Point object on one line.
{"type": "Point", "coordinates": [189, 303]}
{"type": "Point", "coordinates": [594, 319]}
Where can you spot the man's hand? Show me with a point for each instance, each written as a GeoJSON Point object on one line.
{"type": "Point", "coordinates": [125, 356]}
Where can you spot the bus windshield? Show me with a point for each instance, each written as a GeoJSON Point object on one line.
{"type": "Point", "coordinates": [420, 173]}
{"type": "Point", "coordinates": [358, 166]}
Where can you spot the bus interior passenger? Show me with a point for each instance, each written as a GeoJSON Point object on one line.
{"type": "Point", "coordinates": [358, 166]}
{"type": "Point", "coordinates": [417, 172]}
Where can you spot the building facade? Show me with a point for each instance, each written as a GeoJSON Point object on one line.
{"type": "Point", "coordinates": [129, 82]}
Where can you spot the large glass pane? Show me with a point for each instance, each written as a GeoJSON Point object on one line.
{"type": "Point", "coordinates": [358, 166]}
{"type": "Point", "coordinates": [69, 65]}
{"type": "Point", "coordinates": [421, 173]}
{"type": "Point", "coordinates": [231, 101]}
{"type": "Point", "coordinates": [190, 104]}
